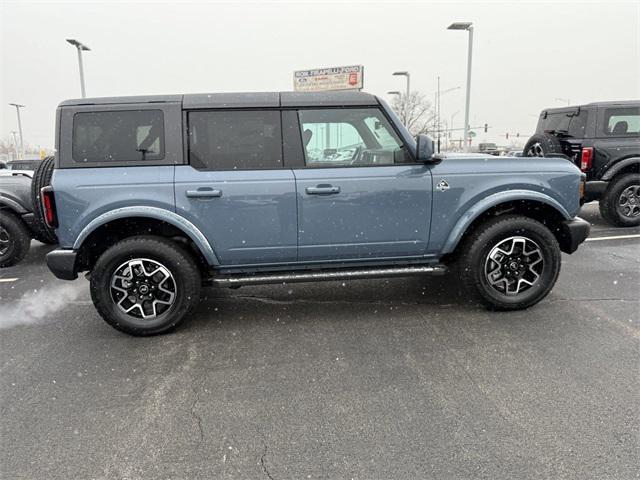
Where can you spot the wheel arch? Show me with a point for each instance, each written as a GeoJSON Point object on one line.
{"type": "Point", "coordinates": [628, 165]}
{"type": "Point", "coordinates": [527, 203]}
{"type": "Point", "coordinates": [10, 204]}
{"type": "Point", "coordinates": [126, 222]}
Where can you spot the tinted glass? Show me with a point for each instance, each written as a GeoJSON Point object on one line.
{"type": "Point", "coordinates": [118, 136]}
{"type": "Point", "coordinates": [578, 124]}
{"type": "Point", "coordinates": [622, 121]}
{"type": "Point", "coordinates": [235, 140]}
{"type": "Point", "coordinates": [349, 137]}
{"type": "Point", "coordinates": [556, 121]}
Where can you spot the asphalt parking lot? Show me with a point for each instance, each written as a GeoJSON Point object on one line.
{"type": "Point", "coordinates": [370, 379]}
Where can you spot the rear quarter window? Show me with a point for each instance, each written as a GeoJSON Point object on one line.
{"type": "Point", "coordinates": [118, 136]}
{"type": "Point", "coordinates": [621, 122]}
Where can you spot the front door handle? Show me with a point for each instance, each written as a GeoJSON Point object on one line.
{"type": "Point", "coordinates": [203, 193]}
{"type": "Point", "coordinates": [322, 190]}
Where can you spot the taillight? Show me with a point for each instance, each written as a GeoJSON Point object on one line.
{"type": "Point", "coordinates": [586, 159]}
{"type": "Point", "coordinates": [49, 207]}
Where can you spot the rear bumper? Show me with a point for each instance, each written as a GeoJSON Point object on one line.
{"type": "Point", "coordinates": [63, 263]}
{"type": "Point", "coordinates": [573, 233]}
{"type": "Point", "coordinates": [594, 190]}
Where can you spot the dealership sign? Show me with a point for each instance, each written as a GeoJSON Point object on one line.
{"type": "Point", "coordinates": [334, 78]}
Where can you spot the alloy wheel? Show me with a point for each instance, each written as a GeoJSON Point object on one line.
{"type": "Point", "coordinates": [143, 288]}
{"type": "Point", "coordinates": [629, 202]}
{"type": "Point", "coordinates": [514, 265]}
{"type": "Point", "coordinates": [5, 241]}
{"type": "Point", "coordinates": [535, 150]}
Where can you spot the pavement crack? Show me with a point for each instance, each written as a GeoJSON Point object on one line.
{"type": "Point", "coordinates": [194, 414]}
{"type": "Point", "coordinates": [263, 462]}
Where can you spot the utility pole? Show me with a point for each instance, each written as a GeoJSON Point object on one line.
{"type": "Point", "coordinates": [18, 107]}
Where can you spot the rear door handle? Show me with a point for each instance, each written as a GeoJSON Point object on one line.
{"type": "Point", "coordinates": [203, 193]}
{"type": "Point", "coordinates": [322, 190]}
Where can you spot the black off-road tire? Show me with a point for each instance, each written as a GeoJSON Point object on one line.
{"type": "Point", "coordinates": [543, 145]}
{"type": "Point", "coordinates": [173, 257]}
{"type": "Point", "coordinates": [478, 245]}
{"type": "Point", "coordinates": [16, 232]}
{"type": "Point", "coordinates": [42, 178]}
{"type": "Point", "coordinates": [610, 201]}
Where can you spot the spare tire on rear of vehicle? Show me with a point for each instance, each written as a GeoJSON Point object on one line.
{"type": "Point", "coordinates": [543, 145]}
{"type": "Point", "coordinates": [42, 178]}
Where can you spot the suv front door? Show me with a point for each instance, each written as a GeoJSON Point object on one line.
{"type": "Point", "coordinates": [360, 195]}
{"type": "Point", "coordinates": [235, 189]}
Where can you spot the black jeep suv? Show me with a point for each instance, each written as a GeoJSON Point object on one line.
{"type": "Point", "coordinates": [603, 139]}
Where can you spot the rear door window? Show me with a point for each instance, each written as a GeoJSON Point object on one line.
{"type": "Point", "coordinates": [621, 122]}
{"type": "Point", "coordinates": [235, 140]}
{"type": "Point", "coordinates": [118, 136]}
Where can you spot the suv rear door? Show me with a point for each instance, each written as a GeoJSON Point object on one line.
{"type": "Point", "coordinates": [235, 189]}
{"type": "Point", "coordinates": [617, 135]}
{"type": "Point", "coordinates": [360, 195]}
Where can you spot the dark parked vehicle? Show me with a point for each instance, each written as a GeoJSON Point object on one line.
{"type": "Point", "coordinates": [156, 196]}
{"type": "Point", "coordinates": [603, 140]}
{"type": "Point", "coordinates": [19, 220]}
{"type": "Point", "coordinates": [30, 165]}
{"type": "Point", "coordinates": [488, 148]}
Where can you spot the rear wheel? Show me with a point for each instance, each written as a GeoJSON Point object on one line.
{"type": "Point", "coordinates": [620, 204]}
{"type": "Point", "coordinates": [510, 263]}
{"type": "Point", "coordinates": [14, 239]}
{"type": "Point", "coordinates": [145, 285]}
{"type": "Point", "coordinates": [42, 178]}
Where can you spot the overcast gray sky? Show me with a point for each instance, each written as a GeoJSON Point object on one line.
{"type": "Point", "coordinates": [526, 54]}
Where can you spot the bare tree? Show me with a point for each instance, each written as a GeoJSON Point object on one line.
{"type": "Point", "coordinates": [416, 112]}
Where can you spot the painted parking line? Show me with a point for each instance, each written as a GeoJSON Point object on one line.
{"type": "Point", "coordinates": [8, 280]}
{"type": "Point", "coordinates": [617, 237]}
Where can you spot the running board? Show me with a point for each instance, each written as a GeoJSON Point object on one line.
{"type": "Point", "coordinates": [326, 275]}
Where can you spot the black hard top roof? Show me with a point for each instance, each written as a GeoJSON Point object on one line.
{"type": "Point", "coordinates": [242, 100]}
{"type": "Point", "coordinates": [619, 103]}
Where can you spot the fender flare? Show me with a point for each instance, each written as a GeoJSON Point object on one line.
{"type": "Point", "coordinates": [491, 201]}
{"type": "Point", "coordinates": [156, 213]}
{"type": "Point", "coordinates": [13, 205]}
{"type": "Point", "coordinates": [616, 167]}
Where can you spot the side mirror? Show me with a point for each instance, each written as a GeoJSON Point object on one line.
{"type": "Point", "coordinates": [424, 148]}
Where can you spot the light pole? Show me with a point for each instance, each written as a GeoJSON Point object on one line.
{"type": "Point", "coordinates": [468, 26]}
{"type": "Point", "coordinates": [80, 47]}
{"type": "Point", "coordinates": [15, 143]}
{"type": "Point", "coordinates": [405, 74]}
{"type": "Point", "coordinates": [18, 107]}
{"type": "Point", "coordinates": [400, 104]}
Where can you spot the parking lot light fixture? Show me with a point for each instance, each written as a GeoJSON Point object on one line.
{"type": "Point", "coordinates": [80, 47]}
{"type": "Point", "coordinates": [405, 74]}
{"type": "Point", "coordinates": [468, 26]}
{"type": "Point", "coordinates": [18, 107]}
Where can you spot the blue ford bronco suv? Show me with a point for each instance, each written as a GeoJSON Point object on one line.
{"type": "Point", "coordinates": [156, 196]}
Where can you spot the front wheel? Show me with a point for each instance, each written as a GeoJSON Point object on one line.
{"type": "Point", "coordinates": [145, 285]}
{"type": "Point", "coordinates": [510, 263]}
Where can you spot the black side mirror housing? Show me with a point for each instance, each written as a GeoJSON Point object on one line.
{"type": "Point", "coordinates": [425, 149]}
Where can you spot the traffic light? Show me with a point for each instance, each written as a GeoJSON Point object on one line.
{"type": "Point", "coordinates": [517, 135]}
{"type": "Point", "coordinates": [486, 127]}
{"type": "Point", "coordinates": [507, 135]}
